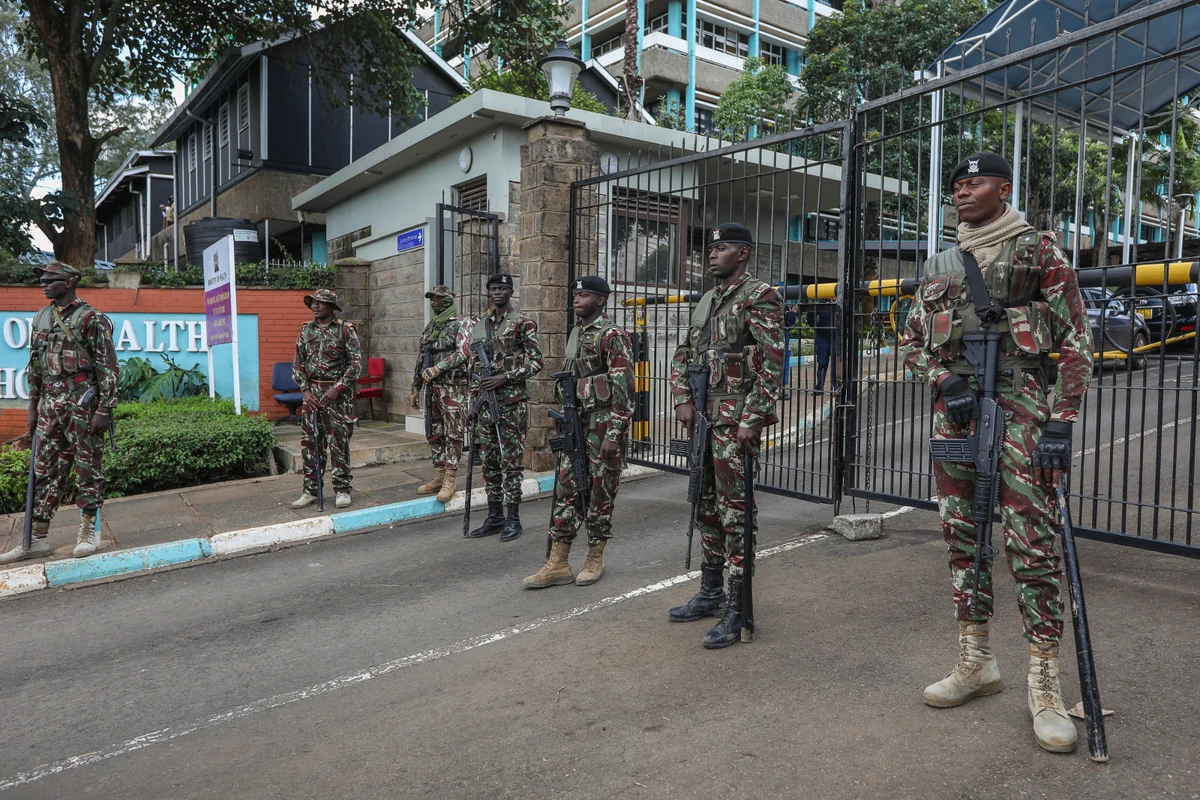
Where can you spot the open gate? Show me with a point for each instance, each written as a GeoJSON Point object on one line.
{"type": "Point", "coordinates": [466, 252]}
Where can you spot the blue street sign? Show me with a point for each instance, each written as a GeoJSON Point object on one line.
{"type": "Point", "coordinates": [410, 240]}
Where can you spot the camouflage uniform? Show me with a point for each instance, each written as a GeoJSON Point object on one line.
{"type": "Point", "coordinates": [515, 351]}
{"type": "Point", "coordinates": [449, 390]}
{"type": "Point", "coordinates": [60, 371]}
{"type": "Point", "coordinates": [328, 355]}
{"type": "Point", "coordinates": [1030, 268]}
{"type": "Point", "coordinates": [742, 392]}
{"type": "Point", "coordinates": [602, 354]}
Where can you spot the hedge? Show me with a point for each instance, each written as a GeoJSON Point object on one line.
{"type": "Point", "coordinates": [273, 276]}
{"type": "Point", "coordinates": [166, 445]}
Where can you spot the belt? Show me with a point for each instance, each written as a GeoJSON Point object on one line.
{"type": "Point", "coordinates": [324, 383]}
{"type": "Point", "coordinates": [65, 383]}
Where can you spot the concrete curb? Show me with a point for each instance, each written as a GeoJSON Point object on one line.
{"type": "Point", "coordinates": [31, 578]}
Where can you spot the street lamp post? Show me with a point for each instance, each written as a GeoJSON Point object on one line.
{"type": "Point", "coordinates": [561, 68]}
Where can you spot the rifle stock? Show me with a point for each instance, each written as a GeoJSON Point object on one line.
{"type": "Point", "coordinates": [488, 396]}
{"type": "Point", "coordinates": [695, 449]}
{"type": "Point", "coordinates": [570, 442]}
{"type": "Point", "coordinates": [469, 451]}
{"type": "Point", "coordinates": [27, 531]}
{"type": "Point", "coordinates": [319, 457]}
{"type": "Point", "coordinates": [426, 363]}
{"type": "Point", "coordinates": [748, 548]}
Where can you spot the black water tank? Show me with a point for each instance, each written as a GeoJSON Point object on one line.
{"type": "Point", "coordinates": [203, 233]}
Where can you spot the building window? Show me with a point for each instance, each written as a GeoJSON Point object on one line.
{"type": "Point", "coordinates": [243, 106]}
{"type": "Point", "coordinates": [225, 126]}
{"type": "Point", "coordinates": [129, 216]}
{"type": "Point", "coordinates": [704, 120]}
{"type": "Point", "coordinates": [117, 227]}
{"type": "Point", "coordinates": [648, 238]}
{"type": "Point", "coordinates": [723, 39]}
{"type": "Point", "coordinates": [191, 159]}
{"type": "Point", "coordinates": [343, 246]}
{"type": "Point", "coordinates": [208, 142]}
{"type": "Point", "coordinates": [662, 23]}
{"type": "Point", "coordinates": [473, 195]}
{"type": "Point", "coordinates": [608, 45]}
{"type": "Point", "coordinates": [774, 54]}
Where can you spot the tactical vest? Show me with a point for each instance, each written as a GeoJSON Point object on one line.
{"type": "Point", "coordinates": [727, 327]}
{"type": "Point", "coordinates": [585, 354]}
{"type": "Point", "coordinates": [55, 349]}
{"type": "Point", "coordinates": [482, 331]}
{"type": "Point", "coordinates": [445, 343]}
{"type": "Point", "coordinates": [1012, 281]}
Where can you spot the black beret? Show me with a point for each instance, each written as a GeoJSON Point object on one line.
{"type": "Point", "coordinates": [982, 165]}
{"type": "Point", "coordinates": [730, 233]}
{"type": "Point", "coordinates": [503, 280]}
{"type": "Point", "coordinates": [592, 283]}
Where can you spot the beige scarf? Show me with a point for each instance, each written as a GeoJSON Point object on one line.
{"type": "Point", "coordinates": [986, 243]}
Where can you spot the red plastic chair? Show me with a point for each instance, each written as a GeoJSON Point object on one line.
{"type": "Point", "coordinates": [370, 385]}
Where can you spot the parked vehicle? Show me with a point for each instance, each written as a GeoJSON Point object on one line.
{"type": "Point", "coordinates": [1166, 315]}
{"type": "Point", "coordinates": [1116, 326]}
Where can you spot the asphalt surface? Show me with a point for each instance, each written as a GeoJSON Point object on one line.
{"type": "Point", "coordinates": [407, 662]}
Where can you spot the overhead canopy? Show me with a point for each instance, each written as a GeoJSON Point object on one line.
{"type": "Point", "coordinates": [1111, 75]}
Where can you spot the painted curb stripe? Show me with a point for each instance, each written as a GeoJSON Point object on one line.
{"type": "Point", "coordinates": [20, 580]}
{"type": "Point", "coordinates": [105, 565]}
{"type": "Point", "coordinates": [224, 544]}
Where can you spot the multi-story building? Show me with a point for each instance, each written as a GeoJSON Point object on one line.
{"type": "Point", "coordinates": [129, 210]}
{"type": "Point", "coordinates": [689, 51]}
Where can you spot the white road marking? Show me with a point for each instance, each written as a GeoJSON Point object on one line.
{"type": "Point", "coordinates": [169, 734]}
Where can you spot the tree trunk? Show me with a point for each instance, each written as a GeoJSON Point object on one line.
{"type": "Point", "coordinates": [73, 237]}
{"type": "Point", "coordinates": [631, 80]}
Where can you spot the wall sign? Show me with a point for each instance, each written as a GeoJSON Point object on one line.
{"type": "Point", "coordinates": [410, 240]}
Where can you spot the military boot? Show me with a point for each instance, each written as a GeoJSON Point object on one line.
{"type": "Point", "coordinates": [89, 538]}
{"type": "Point", "coordinates": [708, 602]}
{"type": "Point", "coordinates": [975, 675]}
{"type": "Point", "coordinates": [493, 524]}
{"type": "Point", "coordinates": [1052, 728]}
{"type": "Point", "coordinates": [512, 528]}
{"type": "Point", "coordinates": [729, 630]}
{"type": "Point", "coordinates": [39, 545]}
{"type": "Point", "coordinates": [447, 490]}
{"type": "Point", "coordinates": [434, 484]}
{"type": "Point", "coordinates": [555, 572]}
{"type": "Point", "coordinates": [593, 565]}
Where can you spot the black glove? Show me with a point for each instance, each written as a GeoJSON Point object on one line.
{"type": "Point", "coordinates": [1054, 448]}
{"type": "Point", "coordinates": [962, 404]}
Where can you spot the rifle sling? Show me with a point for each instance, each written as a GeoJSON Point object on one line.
{"type": "Point", "coordinates": [69, 331]}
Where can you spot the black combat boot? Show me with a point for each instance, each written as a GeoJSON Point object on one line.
{"type": "Point", "coordinates": [729, 630]}
{"type": "Point", "coordinates": [494, 522]}
{"type": "Point", "coordinates": [708, 601]}
{"type": "Point", "coordinates": [512, 529]}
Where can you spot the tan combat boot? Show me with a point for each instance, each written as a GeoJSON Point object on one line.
{"type": "Point", "coordinates": [593, 565]}
{"type": "Point", "coordinates": [975, 675]}
{"type": "Point", "coordinates": [434, 484]}
{"type": "Point", "coordinates": [39, 545]}
{"type": "Point", "coordinates": [447, 491]}
{"type": "Point", "coordinates": [89, 538]}
{"type": "Point", "coordinates": [1052, 728]}
{"type": "Point", "coordinates": [555, 572]}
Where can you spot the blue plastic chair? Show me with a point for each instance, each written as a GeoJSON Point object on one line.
{"type": "Point", "coordinates": [289, 391]}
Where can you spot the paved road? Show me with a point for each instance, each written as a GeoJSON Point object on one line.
{"type": "Point", "coordinates": [407, 663]}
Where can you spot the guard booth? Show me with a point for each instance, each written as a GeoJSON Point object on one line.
{"type": "Point", "coordinates": [1093, 112]}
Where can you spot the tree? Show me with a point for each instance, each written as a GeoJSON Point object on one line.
{"type": "Point", "coordinates": [529, 81]}
{"type": "Point", "coordinates": [756, 97]}
{"type": "Point", "coordinates": [631, 79]}
{"type": "Point", "coordinates": [18, 122]}
{"type": "Point", "coordinates": [869, 51]}
{"type": "Point", "coordinates": [99, 53]}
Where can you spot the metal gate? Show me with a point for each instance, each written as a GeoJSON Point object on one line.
{"type": "Point", "coordinates": [466, 252]}
{"type": "Point", "coordinates": [644, 229]}
{"type": "Point", "coordinates": [1100, 125]}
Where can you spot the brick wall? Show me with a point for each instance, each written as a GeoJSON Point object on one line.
{"type": "Point", "coordinates": [280, 313]}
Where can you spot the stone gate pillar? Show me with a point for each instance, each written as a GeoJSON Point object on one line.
{"type": "Point", "coordinates": [559, 150]}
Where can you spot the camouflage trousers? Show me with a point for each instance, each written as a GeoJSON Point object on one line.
{"type": "Point", "coordinates": [502, 476]}
{"type": "Point", "coordinates": [1025, 512]}
{"type": "Point", "coordinates": [721, 513]}
{"type": "Point", "coordinates": [65, 443]}
{"type": "Point", "coordinates": [337, 426]}
{"type": "Point", "coordinates": [602, 493]}
{"type": "Point", "coordinates": [448, 424]}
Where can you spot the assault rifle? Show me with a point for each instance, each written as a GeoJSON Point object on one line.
{"type": "Point", "coordinates": [426, 363]}
{"type": "Point", "coordinates": [27, 533]}
{"type": "Point", "coordinates": [695, 448]}
{"type": "Point", "coordinates": [981, 448]}
{"type": "Point", "coordinates": [319, 457]}
{"type": "Point", "coordinates": [570, 441]}
{"type": "Point", "coordinates": [748, 549]}
{"type": "Point", "coordinates": [488, 396]}
{"type": "Point", "coordinates": [1092, 711]}
{"type": "Point", "coordinates": [469, 450]}
{"type": "Point", "coordinates": [85, 400]}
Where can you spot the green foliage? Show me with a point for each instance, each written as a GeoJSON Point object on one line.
{"type": "Point", "coordinates": [869, 51]}
{"type": "Point", "coordinates": [287, 276]}
{"type": "Point", "coordinates": [184, 443]}
{"type": "Point", "coordinates": [759, 95]}
{"type": "Point", "coordinates": [529, 81]}
{"type": "Point", "coordinates": [14, 477]}
{"type": "Point", "coordinates": [671, 115]}
{"type": "Point", "coordinates": [19, 124]}
{"type": "Point", "coordinates": [141, 382]}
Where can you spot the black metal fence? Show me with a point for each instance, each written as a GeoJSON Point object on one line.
{"type": "Point", "coordinates": [1101, 126]}
{"type": "Point", "coordinates": [466, 252]}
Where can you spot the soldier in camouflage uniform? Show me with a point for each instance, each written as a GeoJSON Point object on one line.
{"type": "Point", "coordinates": [511, 340]}
{"type": "Point", "coordinates": [446, 381]}
{"type": "Point", "coordinates": [736, 333]}
{"type": "Point", "coordinates": [600, 354]}
{"type": "Point", "coordinates": [326, 366]}
{"type": "Point", "coordinates": [70, 354]}
{"type": "Point", "coordinates": [1029, 278]}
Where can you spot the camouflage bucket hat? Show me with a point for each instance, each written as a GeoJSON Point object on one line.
{"type": "Point", "coordinates": [59, 268]}
{"type": "Point", "coordinates": [439, 293]}
{"type": "Point", "coordinates": [327, 296]}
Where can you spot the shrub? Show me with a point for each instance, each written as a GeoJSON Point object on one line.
{"type": "Point", "coordinates": [140, 381]}
{"type": "Point", "coordinates": [14, 472]}
{"type": "Point", "coordinates": [191, 406]}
